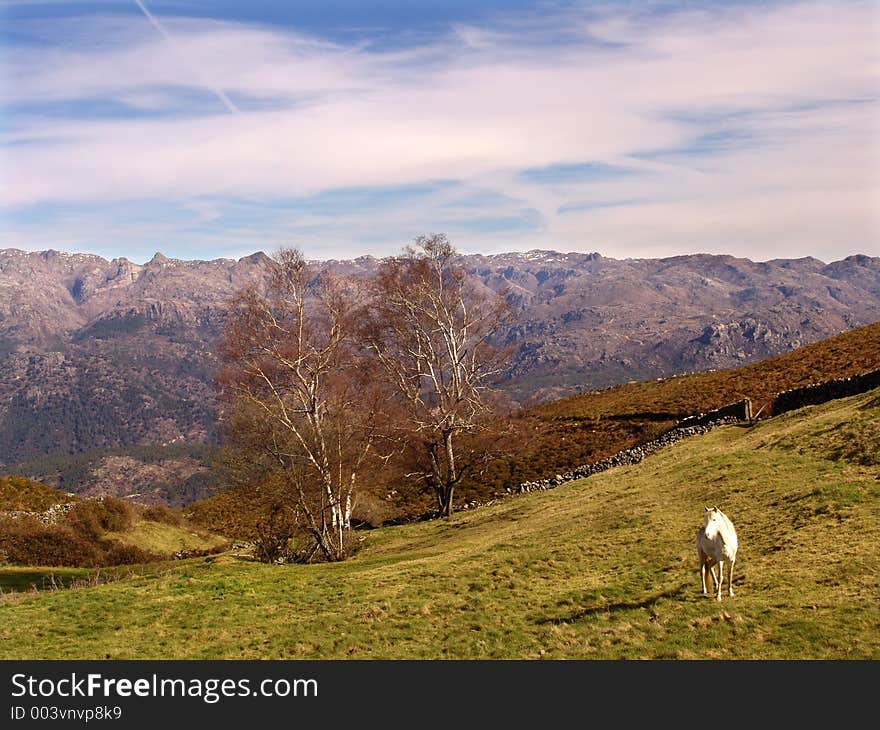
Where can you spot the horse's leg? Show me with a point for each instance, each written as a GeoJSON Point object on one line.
{"type": "Point", "coordinates": [720, 578]}
{"type": "Point", "coordinates": [730, 578]}
{"type": "Point", "coordinates": [702, 556]}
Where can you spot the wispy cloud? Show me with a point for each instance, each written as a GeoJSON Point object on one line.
{"type": "Point", "coordinates": [751, 129]}
{"type": "Point", "coordinates": [216, 90]}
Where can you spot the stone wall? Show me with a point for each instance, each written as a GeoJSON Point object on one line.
{"type": "Point", "coordinates": [50, 516]}
{"type": "Point", "coordinates": [702, 422]}
{"type": "Point", "coordinates": [811, 395]}
{"type": "Point", "coordinates": [739, 411]}
{"type": "Point", "coordinates": [727, 414]}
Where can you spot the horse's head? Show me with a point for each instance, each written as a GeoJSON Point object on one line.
{"type": "Point", "coordinates": [711, 515]}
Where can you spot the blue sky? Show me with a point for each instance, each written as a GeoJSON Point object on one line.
{"type": "Point", "coordinates": [636, 129]}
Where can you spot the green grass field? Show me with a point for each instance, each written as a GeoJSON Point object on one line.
{"type": "Point", "coordinates": [163, 539]}
{"type": "Point", "coordinates": [602, 568]}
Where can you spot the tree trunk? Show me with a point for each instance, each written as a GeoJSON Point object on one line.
{"type": "Point", "coordinates": [448, 499]}
{"type": "Point", "coordinates": [337, 522]}
{"type": "Point", "coordinates": [451, 476]}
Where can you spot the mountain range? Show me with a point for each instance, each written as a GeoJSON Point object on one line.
{"type": "Point", "coordinates": [99, 354]}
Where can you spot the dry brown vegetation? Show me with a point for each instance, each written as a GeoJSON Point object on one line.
{"type": "Point", "coordinates": [561, 435]}
{"type": "Point", "coordinates": [74, 538]}
{"type": "Point", "coordinates": [558, 436]}
{"type": "Point", "coordinates": [91, 533]}
{"type": "Point", "coordinates": [18, 493]}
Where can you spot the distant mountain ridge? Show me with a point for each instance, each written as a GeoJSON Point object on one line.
{"type": "Point", "coordinates": [98, 353]}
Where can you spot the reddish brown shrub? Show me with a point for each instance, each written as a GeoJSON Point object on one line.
{"type": "Point", "coordinates": [119, 554]}
{"type": "Point", "coordinates": [161, 513]}
{"type": "Point", "coordinates": [93, 517]}
{"type": "Point", "coordinates": [29, 542]}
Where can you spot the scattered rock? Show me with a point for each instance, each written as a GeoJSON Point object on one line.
{"type": "Point", "coordinates": [50, 516]}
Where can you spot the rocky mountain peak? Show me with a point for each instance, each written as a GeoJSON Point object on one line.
{"type": "Point", "coordinates": [75, 327]}
{"type": "Point", "coordinates": [255, 259]}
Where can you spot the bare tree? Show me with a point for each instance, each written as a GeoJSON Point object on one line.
{"type": "Point", "coordinates": [300, 400]}
{"type": "Point", "coordinates": [430, 327]}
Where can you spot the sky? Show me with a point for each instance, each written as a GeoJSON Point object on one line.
{"type": "Point", "coordinates": [216, 128]}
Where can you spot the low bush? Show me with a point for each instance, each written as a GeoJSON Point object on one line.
{"type": "Point", "coordinates": [117, 553]}
{"type": "Point", "coordinates": [26, 541]}
{"type": "Point", "coordinates": [18, 493]}
{"type": "Point", "coordinates": [275, 533]}
{"type": "Point", "coordinates": [92, 518]}
{"type": "Point", "coordinates": [163, 514]}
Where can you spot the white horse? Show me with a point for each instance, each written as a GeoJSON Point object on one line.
{"type": "Point", "coordinates": [716, 543]}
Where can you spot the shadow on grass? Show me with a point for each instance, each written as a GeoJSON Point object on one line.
{"type": "Point", "coordinates": [680, 591]}
{"type": "Point", "coordinates": [38, 580]}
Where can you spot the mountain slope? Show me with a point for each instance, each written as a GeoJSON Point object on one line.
{"type": "Point", "coordinates": [554, 437]}
{"type": "Point", "coordinates": [564, 434]}
{"type": "Point", "coordinates": [601, 568]}
{"type": "Point", "coordinates": [587, 322]}
{"type": "Point", "coordinates": [96, 354]}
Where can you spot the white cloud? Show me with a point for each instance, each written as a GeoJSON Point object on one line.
{"type": "Point", "coordinates": [478, 106]}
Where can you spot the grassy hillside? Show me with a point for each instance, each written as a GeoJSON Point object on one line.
{"type": "Point", "coordinates": [164, 539]}
{"type": "Point", "coordinates": [600, 568]}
